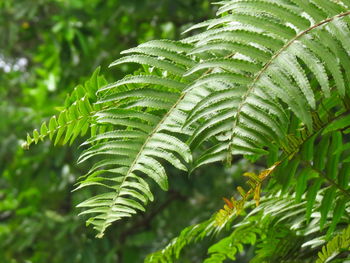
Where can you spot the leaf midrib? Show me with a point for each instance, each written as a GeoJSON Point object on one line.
{"type": "Point", "coordinates": [132, 166]}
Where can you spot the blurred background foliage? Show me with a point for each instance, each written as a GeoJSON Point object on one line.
{"type": "Point", "coordinates": [46, 48]}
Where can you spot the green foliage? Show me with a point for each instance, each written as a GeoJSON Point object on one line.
{"type": "Point", "coordinates": [334, 247]}
{"type": "Point", "coordinates": [76, 116]}
{"type": "Point", "coordinates": [267, 80]}
{"type": "Point", "coordinates": [277, 227]}
{"type": "Point", "coordinates": [46, 49]}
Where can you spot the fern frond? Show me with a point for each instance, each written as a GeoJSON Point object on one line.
{"type": "Point", "coordinates": [277, 227]}
{"type": "Point", "coordinates": [75, 118]}
{"type": "Point", "coordinates": [228, 247]}
{"type": "Point", "coordinates": [150, 142]}
{"type": "Point", "coordinates": [316, 51]}
{"type": "Point", "coordinates": [283, 70]}
{"type": "Point", "coordinates": [236, 206]}
{"type": "Point", "coordinates": [187, 236]}
{"type": "Point", "coordinates": [339, 243]}
{"type": "Point", "coordinates": [267, 77]}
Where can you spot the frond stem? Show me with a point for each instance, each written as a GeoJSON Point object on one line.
{"type": "Point", "coordinates": [131, 168]}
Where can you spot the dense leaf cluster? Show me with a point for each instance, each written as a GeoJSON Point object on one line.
{"type": "Point", "coordinates": [267, 80]}
{"type": "Point", "coordinates": [46, 48]}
